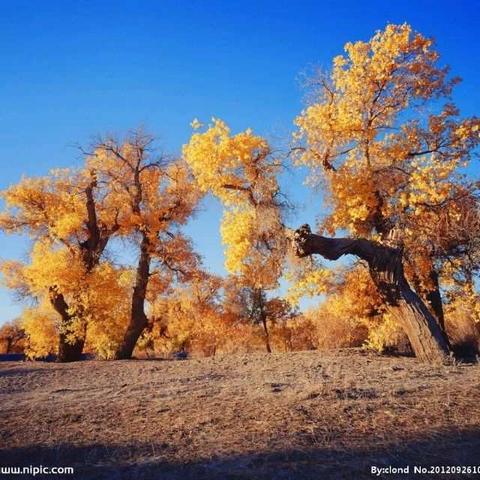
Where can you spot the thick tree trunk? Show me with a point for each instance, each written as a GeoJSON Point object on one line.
{"type": "Point", "coordinates": [138, 319]}
{"type": "Point", "coordinates": [68, 351]}
{"type": "Point", "coordinates": [431, 295]}
{"type": "Point", "coordinates": [428, 340]}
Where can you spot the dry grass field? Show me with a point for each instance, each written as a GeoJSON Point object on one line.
{"type": "Point", "coordinates": [306, 415]}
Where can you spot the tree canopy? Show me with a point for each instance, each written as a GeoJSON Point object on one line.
{"type": "Point", "coordinates": [380, 136]}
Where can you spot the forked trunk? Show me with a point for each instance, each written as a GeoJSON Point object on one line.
{"type": "Point", "coordinates": [427, 338]}
{"type": "Point", "coordinates": [138, 319]}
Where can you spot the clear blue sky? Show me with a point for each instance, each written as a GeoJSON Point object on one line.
{"type": "Point", "coordinates": [72, 69]}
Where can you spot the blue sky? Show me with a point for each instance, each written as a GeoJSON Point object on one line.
{"type": "Point", "coordinates": [73, 69]}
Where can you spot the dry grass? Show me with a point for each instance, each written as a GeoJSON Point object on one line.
{"type": "Point", "coordinates": [305, 415]}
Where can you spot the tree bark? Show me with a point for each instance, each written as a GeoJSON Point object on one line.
{"type": "Point", "coordinates": [431, 295]}
{"type": "Point", "coordinates": [68, 351]}
{"type": "Point", "coordinates": [434, 298]}
{"type": "Point", "coordinates": [428, 340]}
{"type": "Point", "coordinates": [267, 335]}
{"type": "Point", "coordinates": [138, 318]}
{"type": "Point", "coordinates": [260, 315]}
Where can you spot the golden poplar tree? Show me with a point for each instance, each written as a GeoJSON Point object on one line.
{"type": "Point", "coordinates": [153, 196]}
{"type": "Point", "coordinates": [241, 171]}
{"type": "Point", "coordinates": [390, 156]}
{"type": "Point", "coordinates": [70, 229]}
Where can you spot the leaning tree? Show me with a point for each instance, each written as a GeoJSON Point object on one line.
{"type": "Point", "coordinates": [389, 155]}
{"type": "Point", "coordinates": [426, 336]}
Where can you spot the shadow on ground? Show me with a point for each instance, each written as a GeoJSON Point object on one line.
{"type": "Point", "coordinates": [144, 462]}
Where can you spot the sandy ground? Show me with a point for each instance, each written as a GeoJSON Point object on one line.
{"type": "Point", "coordinates": [305, 415]}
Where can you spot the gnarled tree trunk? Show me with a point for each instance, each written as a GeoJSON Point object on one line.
{"type": "Point", "coordinates": [431, 295]}
{"type": "Point", "coordinates": [427, 338]}
{"type": "Point", "coordinates": [138, 318]}
{"type": "Point", "coordinates": [68, 350]}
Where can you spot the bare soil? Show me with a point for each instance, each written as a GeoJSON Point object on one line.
{"type": "Point", "coordinates": [305, 415]}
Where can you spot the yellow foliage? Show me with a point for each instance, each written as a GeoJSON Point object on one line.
{"type": "Point", "coordinates": [106, 307]}
{"type": "Point", "coordinates": [393, 172]}
{"type": "Point", "coordinates": [241, 172]}
{"type": "Point", "coordinates": [352, 313]}
{"type": "Point", "coordinates": [122, 191]}
{"type": "Point", "coordinates": [462, 318]}
{"type": "Point", "coordinates": [310, 282]}
{"type": "Point", "coordinates": [238, 233]}
{"type": "Point", "coordinates": [55, 267]}
{"type": "Point", "coordinates": [99, 299]}
{"type": "Point", "coordinates": [385, 333]}
{"type": "Point", "coordinates": [229, 166]}
{"type": "Point", "coordinates": [12, 337]}
{"type": "Point", "coordinates": [44, 205]}
{"type": "Point", "coordinates": [188, 318]}
{"type": "Point", "coordinates": [382, 170]}
{"type": "Point", "coordinates": [41, 325]}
